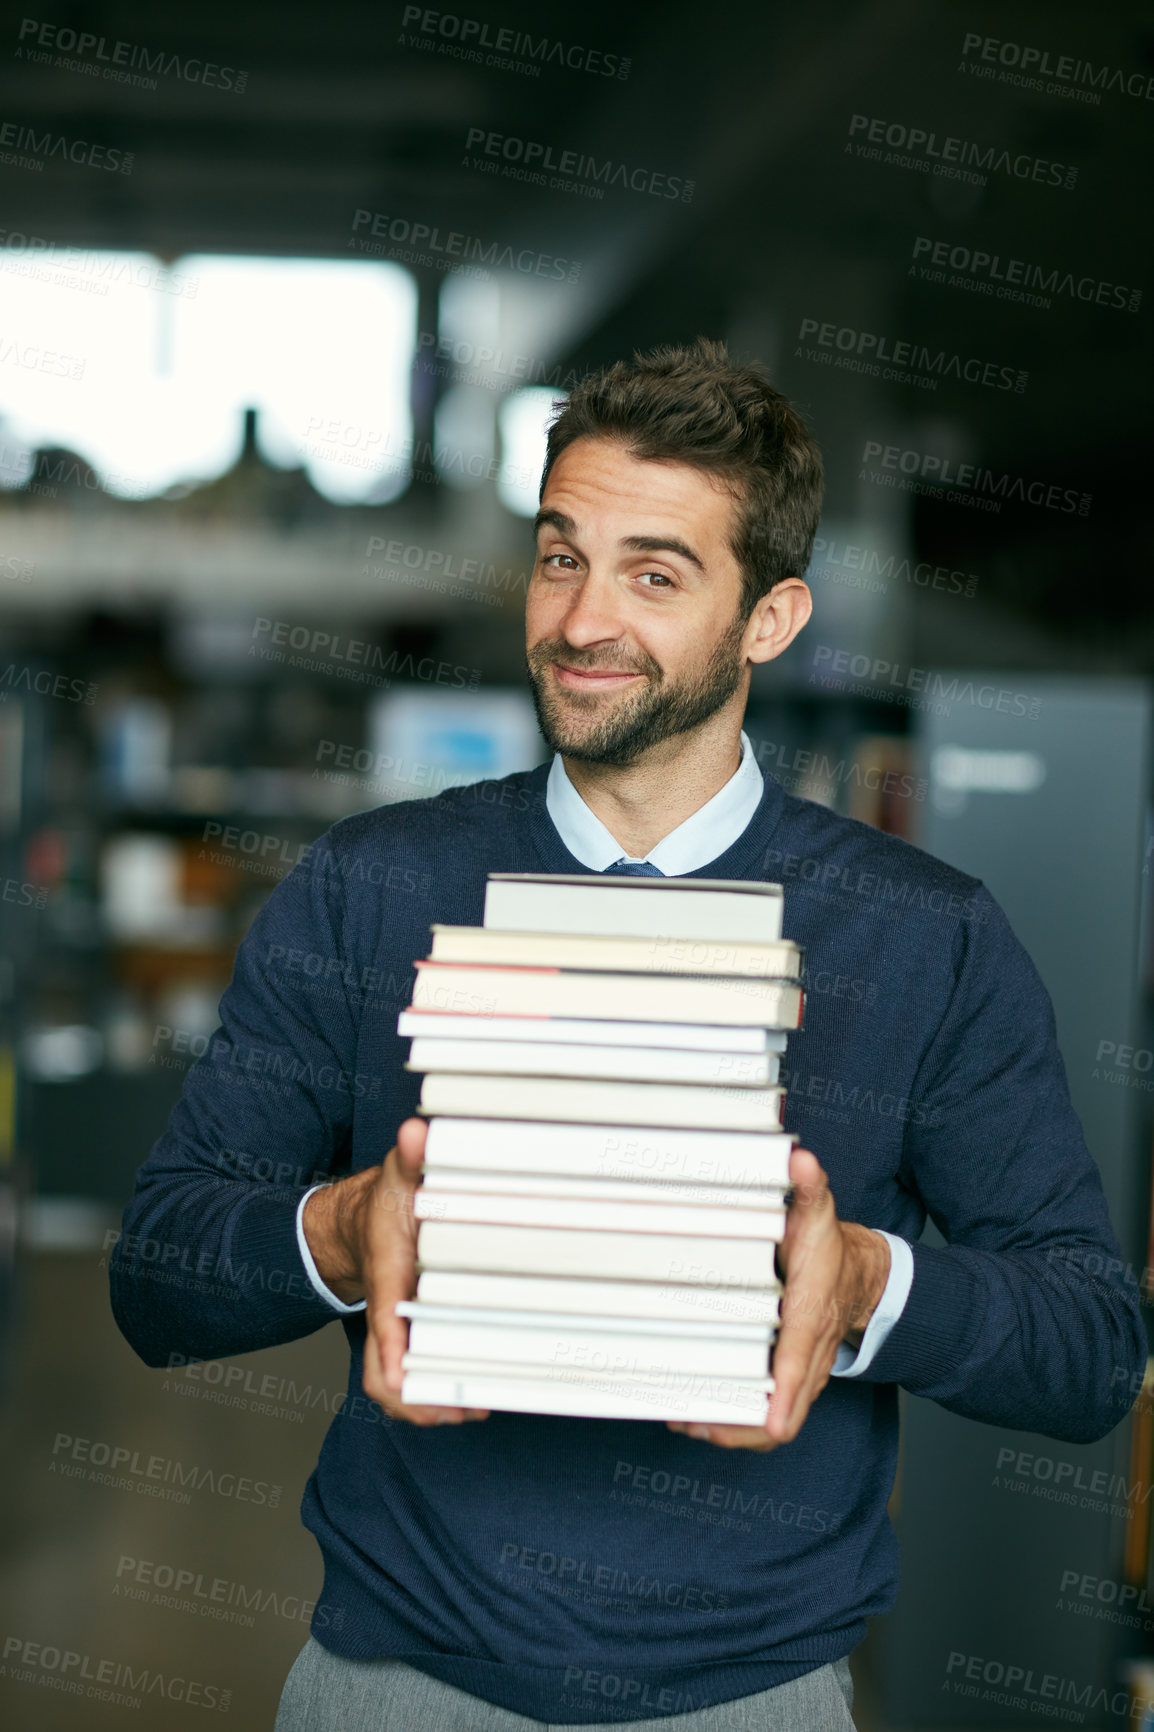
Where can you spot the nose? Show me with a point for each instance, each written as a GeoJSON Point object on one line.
{"type": "Point", "coordinates": [593, 615]}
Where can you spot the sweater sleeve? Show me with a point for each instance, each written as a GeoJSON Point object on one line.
{"type": "Point", "coordinates": [207, 1262]}
{"type": "Point", "coordinates": [1026, 1317]}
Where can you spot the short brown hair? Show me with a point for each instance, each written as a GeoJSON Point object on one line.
{"type": "Point", "coordinates": [694, 406]}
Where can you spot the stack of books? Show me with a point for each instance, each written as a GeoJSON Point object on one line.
{"type": "Point", "coordinates": [605, 1169]}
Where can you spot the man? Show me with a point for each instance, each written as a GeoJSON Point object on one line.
{"type": "Point", "coordinates": [506, 1570]}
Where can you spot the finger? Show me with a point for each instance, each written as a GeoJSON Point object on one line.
{"type": "Point", "coordinates": [726, 1436]}
{"type": "Point", "coordinates": [811, 1209]}
{"type": "Point", "coordinates": [381, 1372]}
{"type": "Point", "coordinates": [391, 1264]}
{"type": "Point", "coordinates": [806, 1340]}
{"type": "Point", "coordinates": [740, 1437]}
{"type": "Point", "coordinates": [392, 1332]}
{"type": "Point", "coordinates": [807, 1322]}
{"type": "Point", "coordinates": [784, 1425]}
{"type": "Point", "coordinates": [800, 1361]}
{"type": "Point", "coordinates": [439, 1415]}
{"type": "Point", "coordinates": [803, 1353]}
{"type": "Point", "coordinates": [425, 1413]}
{"type": "Point", "coordinates": [788, 1410]}
{"type": "Point", "coordinates": [394, 1244]}
{"type": "Point", "coordinates": [390, 1279]}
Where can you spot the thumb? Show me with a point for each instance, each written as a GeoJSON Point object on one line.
{"type": "Point", "coordinates": [811, 1196]}
{"type": "Point", "coordinates": [411, 1138]}
{"type": "Point", "coordinates": [808, 1178]}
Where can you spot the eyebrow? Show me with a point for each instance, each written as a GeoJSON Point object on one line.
{"type": "Point", "coordinates": [560, 521]}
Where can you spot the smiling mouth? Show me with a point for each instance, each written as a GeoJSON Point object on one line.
{"type": "Point", "coordinates": [594, 676]}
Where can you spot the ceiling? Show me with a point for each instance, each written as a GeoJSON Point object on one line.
{"type": "Point", "coordinates": [350, 109]}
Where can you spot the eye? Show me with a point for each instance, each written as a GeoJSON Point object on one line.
{"type": "Point", "coordinates": [661, 576]}
{"type": "Point", "coordinates": [548, 558]}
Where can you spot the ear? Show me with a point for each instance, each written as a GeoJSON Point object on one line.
{"type": "Point", "coordinates": [777, 618]}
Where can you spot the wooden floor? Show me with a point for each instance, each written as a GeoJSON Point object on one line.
{"type": "Point", "coordinates": [65, 1584]}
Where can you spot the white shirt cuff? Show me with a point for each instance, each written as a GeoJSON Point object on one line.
{"type": "Point", "coordinates": [310, 1266]}
{"type": "Point", "coordinates": [889, 1308]}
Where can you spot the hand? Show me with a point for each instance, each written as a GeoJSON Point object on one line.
{"type": "Point", "coordinates": [362, 1234]}
{"type": "Point", "coordinates": [835, 1274]}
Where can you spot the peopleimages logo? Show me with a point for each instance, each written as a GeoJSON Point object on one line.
{"type": "Point", "coordinates": [469, 363]}
{"type": "Point", "coordinates": [116, 56]}
{"type": "Point", "coordinates": [1107, 1599]}
{"type": "Point", "coordinates": [103, 1680]}
{"type": "Point", "coordinates": [1022, 1687]}
{"type": "Point", "coordinates": [15, 570]}
{"type": "Point", "coordinates": [433, 569]}
{"type": "Point", "coordinates": [952, 158]}
{"type": "Point", "coordinates": [42, 145]}
{"type": "Point", "coordinates": [83, 268]}
{"type": "Point", "coordinates": [610, 1579]}
{"type": "Point", "coordinates": [806, 770]}
{"type": "Point", "coordinates": [1087, 1488]}
{"type": "Point", "coordinates": [1030, 67]}
{"type": "Point", "coordinates": [34, 359]}
{"type": "Point", "coordinates": [890, 681]}
{"type": "Point", "coordinates": [871, 569]}
{"type": "Point", "coordinates": [15, 678]}
{"type": "Point", "coordinates": [907, 362]}
{"type": "Point", "coordinates": [26, 895]}
{"type": "Point", "coordinates": [1013, 279]}
{"type": "Point", "coordinates": [451, 250]}
{"type": "Point", "coordinates": [570, 168]}
{"type": "Point", "coordinates": [641, 1485]}
{"type": "Point", "coordinates": [351, 658]}
{"type": "Point", "coordinates": [230, 1602]}
{"type": "Point", "coordinates": [1116, 1062]}
{"type": "Point", "coordinates": [505, 49]}
{"type": "Point", "coordinates": [969, 483]}
{"type": "Point", "coordinates": [128, 1472]}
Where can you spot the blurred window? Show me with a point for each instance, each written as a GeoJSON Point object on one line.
{"type": "Point", "coordinates": [523, 418]}
{"type": "Point", "coordinates": [145, 370]}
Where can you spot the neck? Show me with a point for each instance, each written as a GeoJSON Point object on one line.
{"type": "Point", "coordinates": [640, 803]}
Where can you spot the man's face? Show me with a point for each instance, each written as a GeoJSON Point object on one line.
{"type": "Point", "coordinates": [631, 628]}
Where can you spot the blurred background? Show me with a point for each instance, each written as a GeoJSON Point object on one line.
{"type": "Point", "coordinates": [286, 298]}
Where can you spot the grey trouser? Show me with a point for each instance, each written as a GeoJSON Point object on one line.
{"type": "Point", "coordinates": [324, 1693]}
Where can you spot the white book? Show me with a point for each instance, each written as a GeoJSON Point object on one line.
{"type": "Point", "coordinates": [620, 1190]}
{"type": "Point", "coordinates": [597, 1214]}
{"type": "Point", "coordinates": [683, 1258]}
{"type": "Point", "coordinates": [473, 989]}
{"type": "Point", "coordinates": [730, 910]}
{"type": "Point", "coordinates": [682, 1307]}
{"type": "Point", "coordinates": [625, 1063]}
{"type": "Point", "coordinates": [612, 1353]}
{"type": "Point", "coordinates": [682, 1381]}
{"type": "Point", "coordinates": [777, 960]}
{"type": "Point", "coordinates": [611, 1151]}
{"type": "Point", "coordinates": [593, 1031]}
{"type": "Point", "coordinates": [676, 1329]}
{"type": "Point", "coordinates": [585, 1101]}
{"type": "Point", "coordinates": [730, 1403]}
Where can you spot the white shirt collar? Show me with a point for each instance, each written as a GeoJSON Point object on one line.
{"type": "Point", "coordinates": [696, 841]}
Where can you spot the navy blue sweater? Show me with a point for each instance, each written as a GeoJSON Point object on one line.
{"type": "Point", "coordinates": [570, 1568]}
